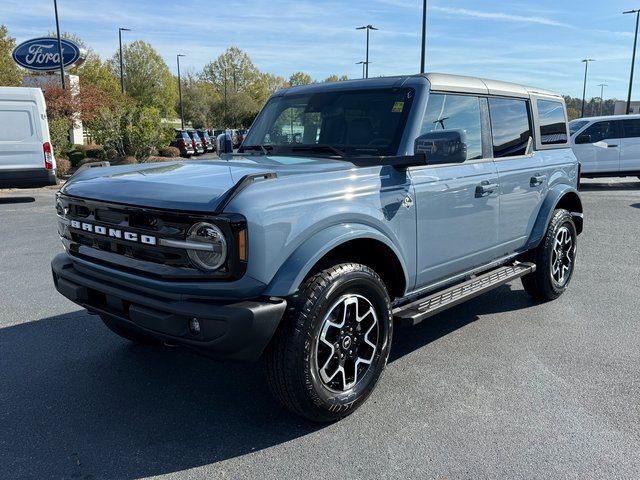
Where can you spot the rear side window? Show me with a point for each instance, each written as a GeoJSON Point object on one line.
{"type": "Point", "coordinates": [17, 125]}
{"type": "Point", "coordinates": [456, 112]}
{"type": "Point", "coordinates": [631, 128]}
{"type": "Point", "coordinates": [601, 131]}
{"type": "Point", "coordinates": [510, 125]}
{"type": "Point", "coordinates": [553, 123]}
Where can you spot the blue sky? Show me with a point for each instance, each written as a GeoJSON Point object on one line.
{"type": "Point", "coordinates": [539, 43]}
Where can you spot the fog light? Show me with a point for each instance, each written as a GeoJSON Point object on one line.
{"type": "Point", "coordinates": [194, 326]}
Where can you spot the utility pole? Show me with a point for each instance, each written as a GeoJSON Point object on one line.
{"type": "Point", "coordinates": [180, 91]}
{"type": "Point", "coordinates": [584, 88]}
{"type": "Point", "coordinates": [363, 66]}
{"type": "Point", "coordinates": [55, 8]}
{"type": "Point", "coordinates": [367, 28]}
{"type": "Point", "coordinates": [424, 36]}
{"type": "Point", "coordinates": [602, 85]}
{"type": "Point", "coordinates": [633, 58]}
{"type": "Point", "coordinates": [120, 30]}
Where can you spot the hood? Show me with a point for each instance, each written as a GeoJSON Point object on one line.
{"type": "Point", "coordinates": [185, 185]}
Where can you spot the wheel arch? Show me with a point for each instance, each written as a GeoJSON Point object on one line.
{"type": "Point", "coordinates": [342, 243]}
{"type": "Point", "coordinates": [561, 196]}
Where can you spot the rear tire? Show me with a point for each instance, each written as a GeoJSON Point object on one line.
{"type": "Point", "coordinates": [554, 259]}
{"type": "Point", "coordinates": [128, 333]}
{"type": "Point", "coordinates": [333, 343]}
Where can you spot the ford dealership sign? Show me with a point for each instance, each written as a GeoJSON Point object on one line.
{"type": "Point", "coordinates": [42, 55]}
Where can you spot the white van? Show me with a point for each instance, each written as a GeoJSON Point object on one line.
{"type": "Point", "coordinates": [26, 154]}
{"type": "Point", "coordinates": [607, 146]}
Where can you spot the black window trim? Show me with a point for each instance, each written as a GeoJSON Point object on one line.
{"type": "Point", "coordinates": [538, 125]}
{"type": "Point", "coordinates": [532, 126]}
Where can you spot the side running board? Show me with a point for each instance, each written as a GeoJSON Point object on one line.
{"type": "Point", "coordinates": [432, 304]}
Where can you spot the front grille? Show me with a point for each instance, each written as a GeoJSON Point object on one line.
{"type": "Point", "coordinates": [149, 259]}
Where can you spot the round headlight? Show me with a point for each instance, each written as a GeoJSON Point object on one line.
{"type": "Point", "coordinates": [213, 253]}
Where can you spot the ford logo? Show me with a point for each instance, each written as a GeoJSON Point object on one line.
{"type": "Point", "coordinates": [42, 55]}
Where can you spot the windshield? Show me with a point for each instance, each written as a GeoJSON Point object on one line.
{"type": "Point", "coordinates": [576, 125]}
{"type": "Point", "coordinates": [338, 123]}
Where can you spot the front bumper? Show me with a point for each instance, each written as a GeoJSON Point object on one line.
{"type": "Point", "coordinates": [235, 330]}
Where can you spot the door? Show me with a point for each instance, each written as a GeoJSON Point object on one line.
{"type": "Point", "coordinates": [456, 203]}
{"type": "Point", "coordinates": [521, 171]}
{"type": "Point", "coordinates": [598, 147]}
{"type": "Point", "coordinates": [630, 146]}
{"type": "Point", "coordinates": [20, 138]}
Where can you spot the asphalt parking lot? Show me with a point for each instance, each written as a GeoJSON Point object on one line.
{"type": "Point", "coordinates": [500, 387]}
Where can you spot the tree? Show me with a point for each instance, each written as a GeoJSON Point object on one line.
{"type": "Point", "coordinates": [300, 78]}
{"type": "Point", "coordinates": [241, 88]}
{"type": "Point", "coordinates": [336, 78]}
{"type": "Point", "coordinates": [147, 77]}
{"type": "Point", "coordinates": [198, 100]}
{"type": "Point", "coordinates": [10, 73]}
{"type": "Point", "coordinates": [131, 129]}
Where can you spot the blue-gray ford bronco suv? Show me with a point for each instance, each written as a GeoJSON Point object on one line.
{"type": "Point", "coordinates": [349, 207]}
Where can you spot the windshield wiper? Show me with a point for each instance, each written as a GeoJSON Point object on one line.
{"type": "Point", "coordinates": [320, 148]}
{"type": "Point", "coordinates": [262, 148]}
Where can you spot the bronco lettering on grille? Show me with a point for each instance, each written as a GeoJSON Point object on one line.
{"type": "Point", "coordinates": [114, 232]}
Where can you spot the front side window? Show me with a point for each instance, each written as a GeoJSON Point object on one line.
{"type": "Point", "coordinates": [343, 123]}
{"type": "Point", "coordinates": [553, 123]}
{"type": "Point", "coordinates": [601, 131]}
{"type": "Point", "coordinates": [510, 125]}
{"type": "Point", "coordinates": [456, 112]}
{"type": "Point", "coordinates": [576, 125]}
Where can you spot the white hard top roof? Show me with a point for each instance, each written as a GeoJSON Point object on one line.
{"type": "Point", "coordinates": [20, 93]}
{"type": "Point", "coordinates": [458, 83]}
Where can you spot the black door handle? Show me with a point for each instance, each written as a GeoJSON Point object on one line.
{"type": "Point", "coordinates": [537, 180]}
{"type": "Point", "coordinates": [485, 188]}
{"type": "Point", "coordinates": [612, 146]}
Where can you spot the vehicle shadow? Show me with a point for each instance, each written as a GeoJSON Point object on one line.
{"type": "Point", "coordinates": [79, 402]}
{"type": "Point", "coordinates": [11, 200]}
{"type": "Point", "coordinates": [500, 300]}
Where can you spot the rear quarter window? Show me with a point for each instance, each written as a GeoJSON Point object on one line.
{"type": "Point", "coordinates": [553, 122]}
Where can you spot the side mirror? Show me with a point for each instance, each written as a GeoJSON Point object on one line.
{"type": "Point", "coordinates": [224, 144]}
{"type": "Point", "coordinates": [442, 146]}
{"type": "Point", "coordinates": [583, 138]}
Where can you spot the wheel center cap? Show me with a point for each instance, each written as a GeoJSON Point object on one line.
{"type": "Point", "coordinates": [346, 342]}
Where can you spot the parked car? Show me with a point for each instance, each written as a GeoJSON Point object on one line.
{"type": "Point", "coordinates": [207, 142]}
{"type": "Point", "coordinates": [404, 197]}
{"type": "Point", "coordinates": [607, 146]}
{"type": "Point", "coordinates": [184, 143]}
{"type": "Point", "coordinates": [198, 146]}
{"type": "Point", "coordinates": [26, 153]}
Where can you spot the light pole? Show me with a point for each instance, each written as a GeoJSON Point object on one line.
{"type": "Point", "coordinates": [602, 85]}
{"type": "Point", "coordinates": [633, 58]}
{"type": "Point", "coordinates": [363, 63]}
{"type": "Point", "coordinates": [180, 90]}
{"type": "Point", "coordinates": [584, 88]}
{"type": "Point", "coordinates": [120, 30]}
{"type": "Point", "coordinates": [424, 36]}
{"type": "Point", "coordinates": [55, 8]}
{"type": "Point", "coordinates": [366, 64]}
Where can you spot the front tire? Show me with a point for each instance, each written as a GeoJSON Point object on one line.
{"type": "Point", "coordinates": [333, 344]}
{"type": "Point", "coordinates": [554, 258]}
